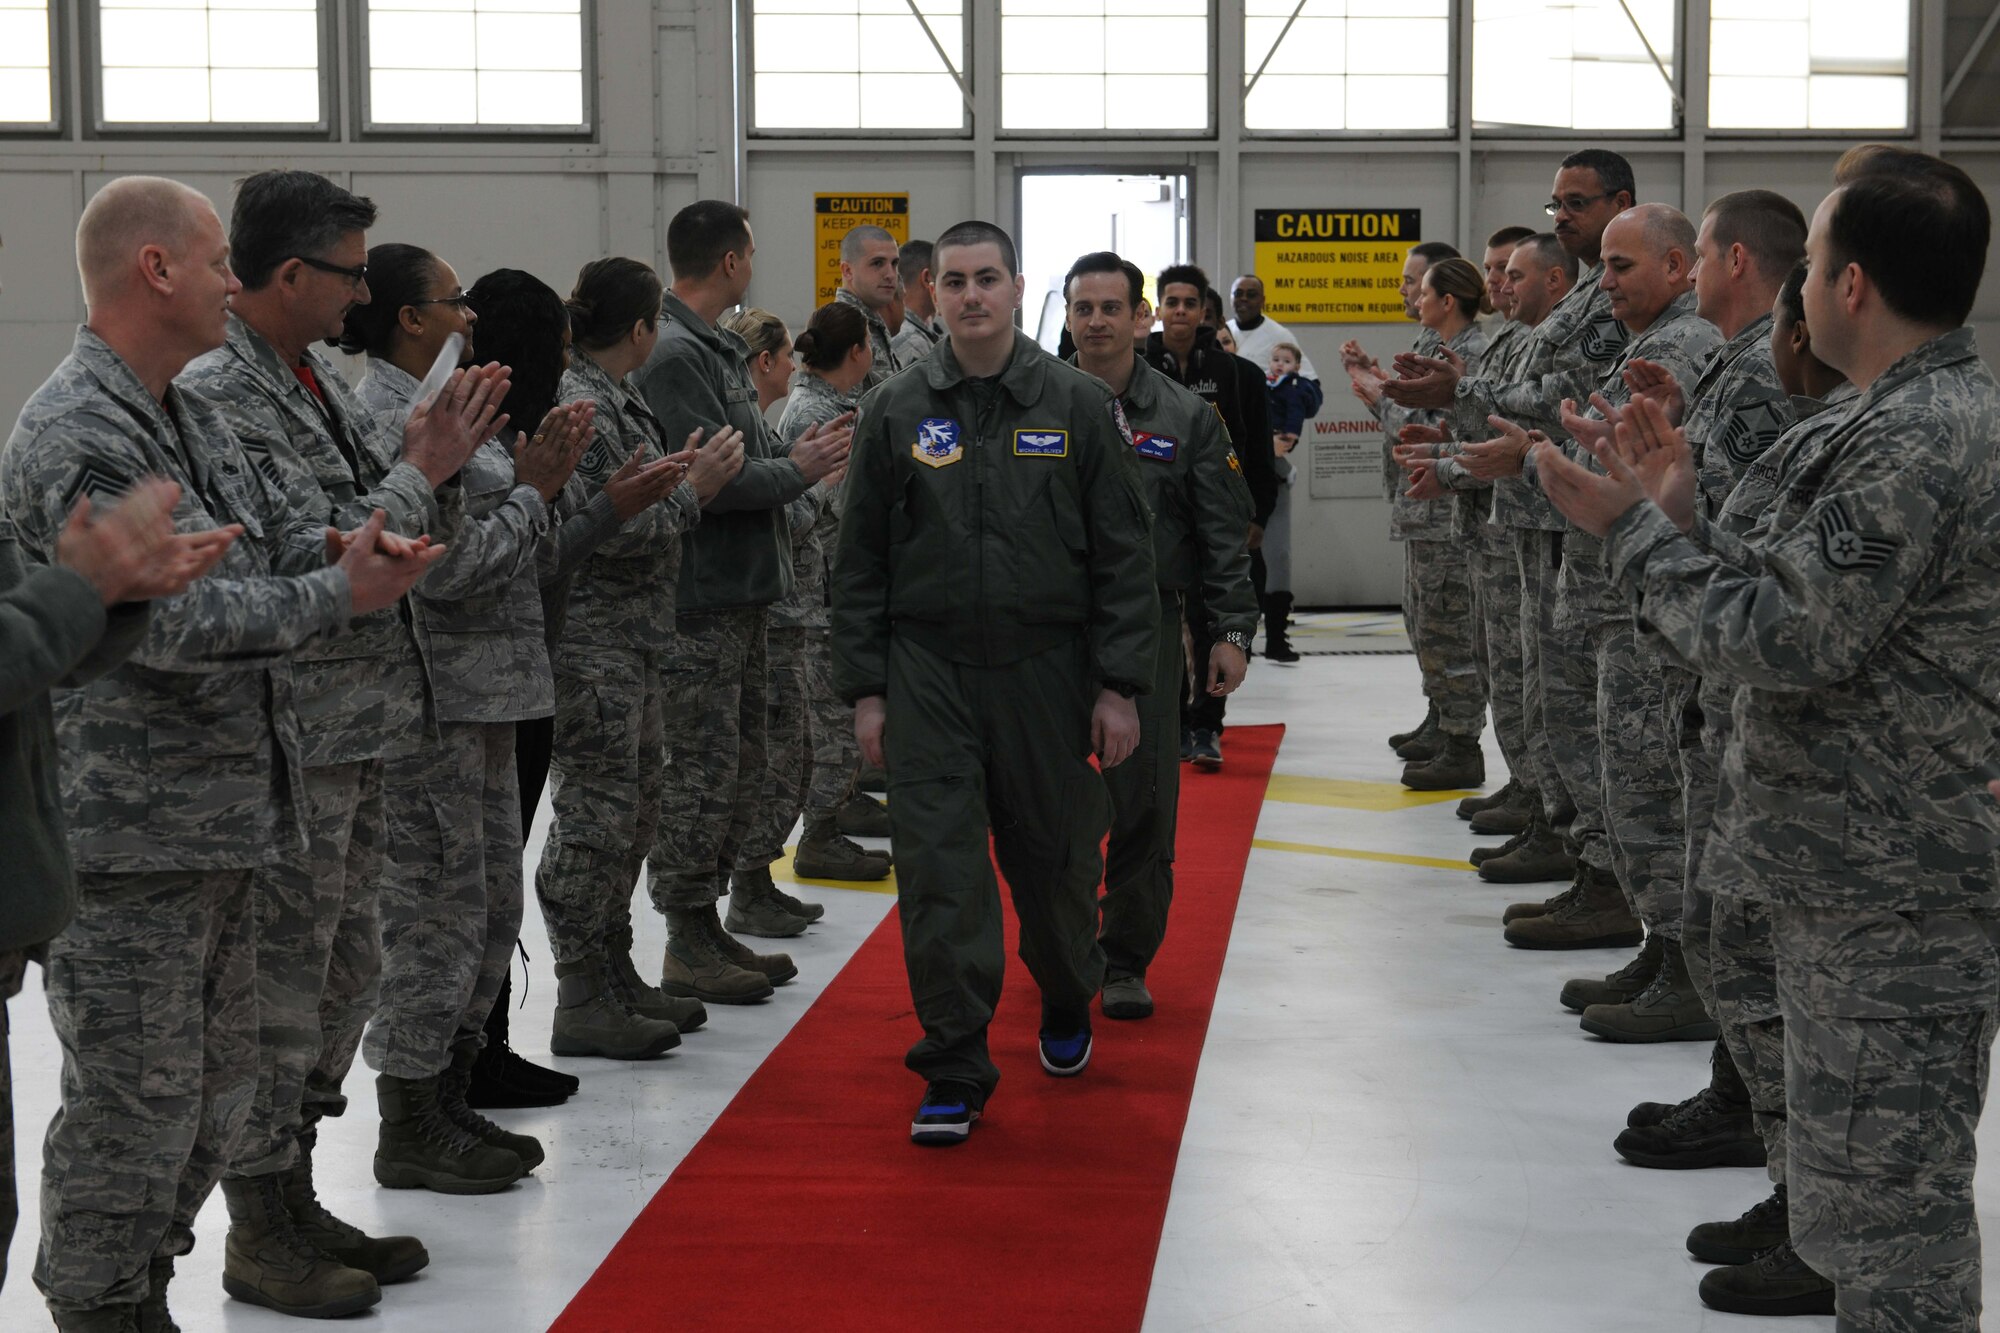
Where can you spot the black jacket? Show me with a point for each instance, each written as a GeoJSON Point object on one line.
{"type": "Point", "coordinates": [1235, 388]}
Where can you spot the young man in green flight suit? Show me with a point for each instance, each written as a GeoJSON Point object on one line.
{"type": "Point", "coordinates": [1201, 519]}
{"type": "Point", "coordinates": [994, 610]}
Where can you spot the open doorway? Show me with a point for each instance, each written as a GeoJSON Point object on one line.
{"type": "Point", "coordinates": [1144, 217]}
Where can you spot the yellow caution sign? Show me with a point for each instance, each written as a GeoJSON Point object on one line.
{"type": "Point", "coordinates": [1335, 265]}
{"type": "Point", "coordinates": [834, 215]}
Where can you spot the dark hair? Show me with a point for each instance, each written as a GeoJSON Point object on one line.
{"type": "Point", "coordinates": [701, 234]}
{"type": "Point", "coordinates": [1461, 280]}
{"type": "Point", "coordinates": [610, 296]}
{"type": "Point", "coordinates": [281, 215]}
{"type": "Point", "coordinates": [1792, 296]}
{"type": "Point", "coordinates": [1767, 225]}
{"type": "Point", "coordinates": [521, 325]}
{"type": "Point", "coordinates": [1211, 306]}
{"type": "Point", "coordinates": [975, 232]}
{"type": "Point", "coordinates": [1549, 253]}
{"type": "Point", "coordinates": [1867, 158]}
{"type": "Point", "coordinates": [1432, 252]}
{"type": "Point", "coordinates": [1614, 173]}
{"type": "Point", "coordinates": [1904, 231]}
{"type": "Point", "coordinates": [1184, 275]}
{"type": "Point", "coordinates": [398, 275]}
{"type": "Point", "coordinates": [1105, 261]}
{"type": "Point", "coordinates": [1509, 236]}
{"type": "Point", "coordinates": [911, 261]}
{"type": "Point", "coordinates": [834, 330]}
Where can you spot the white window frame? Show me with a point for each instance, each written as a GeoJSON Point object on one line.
{"type": "Point", "coordinates": [1911, 77]}
{"type": "Point", "coordinates": [56, 124]}
{"type": "Point", "coordinates": [746, 27]}
{"type": "Point", "coordinates": [368, 129]}
{"type": "Point", "coordinates": [1677, 90]}
{"type": "Point", "coordinates": [1207, 131]}
{"type": "Point", "coordinates": [1457, 61]}
{"type": "Point", "coordinates": [93, 50]}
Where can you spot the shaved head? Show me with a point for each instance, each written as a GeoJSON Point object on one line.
{"type": "Point", "coordinates": [126, 216]}
{"type": "Point", "coordinates": [855, 244]}
{"type": "Point", "coordinates": [1662, 227]}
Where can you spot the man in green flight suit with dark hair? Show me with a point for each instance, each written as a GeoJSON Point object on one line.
{"type": "Point", "coordinates": [1201, 510]}
{"type": "Point", "coordinates": [994, 611]}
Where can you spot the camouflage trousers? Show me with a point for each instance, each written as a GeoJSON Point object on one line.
{"type": "Point", "coordinates": [1145, 808]}
{"type": "Point", "coordinates": [1569, 719]}
{"type": "Point", "coordinates": [1536, 554]}
{"type": "Point", "coordinates": [1744, 984]}
{"type": "Point", "coordinates": [1497, 648]}
{"type": "Point", "coordinates": [1642, 795]}
{"type": "Point", "coordinates": [319, 959]}
{"type": "Point", "coordinates": [715, 756]}
{"type": "Point", "coordinates": [451, 900]}
{"type": "Point", "coordinates": [1437, 601]}
{"type": "Point", "coordinates": [1889, 1025]}
{"type": "Point", "coordinates": [153, 997]}
{"type": "Point", "coordinates": [1696, 753]}
{"type": "Point", "coordinates": [606, 777]}
{"type": "Point", "coordinates": [809, 748]}
{"type": "Point", "coordinates": [12, 967]}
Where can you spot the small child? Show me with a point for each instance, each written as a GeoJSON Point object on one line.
{"type": "Point", "coordinates": [1293, 397]}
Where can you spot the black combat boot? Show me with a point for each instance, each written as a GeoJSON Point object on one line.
{"type": "Point", "coordinates": [420, 1147]}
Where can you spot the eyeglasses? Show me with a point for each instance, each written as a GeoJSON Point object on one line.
{"type": "Point", "coordinates": [1574, 203]}
{"type": "Point", "coordinates": [459, 299]}
{"type": "Point", "coordinates": [356, 275]}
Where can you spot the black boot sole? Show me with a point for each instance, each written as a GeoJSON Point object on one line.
{"type": "Point", "coordinates": [1817, 1302]}
{"type": "Point", "coordinates": [1725, 1154]}
{"type": "Point", "coordinates": [1706, 1030]}
{"type": "Point", "coordinates": [1728, 1255]}
{"type": "Point", "coordinates": [437, 1182]}
{"type": "Point", "coordinates": [249, 1295]}
{"type": "Point", "coordinates": [1491, 824]}
{"type": "Point", "coordinates": [1624, 940]}
{"type": "Point", "coordinates": [1554, 875]}
{"type": "Point", "coordinates": [493, 1094]}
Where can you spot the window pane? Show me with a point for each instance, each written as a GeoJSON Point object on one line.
{"type": "Point", "coordinates": [856, 64]}
{"type": "Point", "coordinates": [1348, 64]}
{"type": "Point", "coordinates": [25, 94]}
{"type": "Point", "coordinates": [1844, 64]}
{"type": "Point", "coordinates": [475, 62]}
{"type": "Point", "coordinates": [1104, 64]}
{"type": "Point", "coordinates": [1573, 64]}
{"type": "Point", "coordinates": [223, 62]}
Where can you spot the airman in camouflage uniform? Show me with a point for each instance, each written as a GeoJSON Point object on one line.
{"type": "Point", "coordinates": [614, 695]}
{"type": "Point", "coordinates": [868, 261]}
{"type": "Point", "coordinates": [1851, 796]}
{"type": "Point", "coordinates": [172, 780]}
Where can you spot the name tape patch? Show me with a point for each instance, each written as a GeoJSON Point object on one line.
{"type": "Point", "coordinates": [1161, 448]}
{"type": "Point", "coordinates": [1041, 443]}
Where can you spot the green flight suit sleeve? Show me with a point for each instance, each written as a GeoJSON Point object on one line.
{"type": "Point", "coordinates": [860, 581]}
{"type": "Point", "coordinates": [1125, 596]}
{"type": "Point", "coordinates": [1222, 510]}
{"type": "Point", "coordinates": [684, 400]}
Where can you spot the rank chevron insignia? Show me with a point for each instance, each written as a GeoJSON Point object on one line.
{"type": "Point", "coordinates": [1846, 550]}
{"type": "Point", "coordinates": [98, 482]}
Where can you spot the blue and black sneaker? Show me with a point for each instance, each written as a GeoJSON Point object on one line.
{"type": "Point", "coordinates": [945, 1115]}
{"type": "Point", "coordinates": [1065, 1045]}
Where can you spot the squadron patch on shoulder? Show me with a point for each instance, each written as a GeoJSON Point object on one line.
{"type": "Point", "coordinates": [1041, 443]}
{"type": "Point", "coordinates": [1235, 463]}
{"type": "Point", "coordinates": [937, 442]}
{"type": "Point", "coordinates": [1119, 420]}
{"type": "Point", "coordinates": [1846, 550]}
{"type": "Point", "coordinates": [1159, 448]}
{"type": "Point", "coordinates": [1752, 430]}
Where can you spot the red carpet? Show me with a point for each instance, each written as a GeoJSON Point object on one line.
{"type": "Point", "coordinates": [806, 1206]}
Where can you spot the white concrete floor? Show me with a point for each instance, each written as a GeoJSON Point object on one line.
{"type": "Point", "coordinates": [1396, 1129]}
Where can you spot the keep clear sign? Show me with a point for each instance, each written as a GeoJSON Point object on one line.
{"type": "Point", "coordinates": [1334, 265]}
{"type": "Point", "coordinates": [834, 215]}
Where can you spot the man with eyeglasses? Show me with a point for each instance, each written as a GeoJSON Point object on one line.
{"type": "Point", "coordinates": [1568, 358]}
{"type": "Point", "coordinates": [299, 245]}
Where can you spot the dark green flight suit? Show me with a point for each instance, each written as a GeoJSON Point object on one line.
{"type": "Point", "coordinates": [995, 573]}
{"type": "Point", "coordinates": [1201, 521]}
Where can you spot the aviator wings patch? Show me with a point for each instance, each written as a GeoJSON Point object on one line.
{"type": "Point", "coordinates": [1846, 550]}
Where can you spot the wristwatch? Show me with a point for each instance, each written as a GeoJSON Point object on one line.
{"type": "Point", "coordinates": [1235, 638]}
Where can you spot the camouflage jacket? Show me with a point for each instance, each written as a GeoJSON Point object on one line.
{"type": "Point", "coordinates": [187, 756]}
{"type": "Point", "coordinates": [1682, 341]}
{"type": "Point", "coordinates": [878, 340]}
{"type": "Point", "coordinates": [1735, 411]}
{"type": "Point", "coordinates": [358, 696]}
{"type": "Point", "coordinates": [1860, 625]}
{"type": "Point", "coordinates": [622, 595]}
{"type": "Point", "coordinates": [1200, 503]}
{"type": "Point", "coordinates": [913, 342]}
{"type": "Point", "coordinates": [741, 553]}
{"type": "Point", "coordinates": [1423, 520]}
{"type": "Point", "coordinates": [814, 516]}
{"type": "Point", "coordinates": [479, 610]}
{"type": "Point", "coordinates": [991, 520]}
{"type": "Point", "coordinates": [1506, 348]}
{"type": "Point", "coordinates": [1567, 357]}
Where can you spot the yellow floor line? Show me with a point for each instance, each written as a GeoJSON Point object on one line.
{"type": "Point", "coordinates": [1348, 795]}
{"type": "Point", "coordinates": [1352, 854]}
{"type": "Point", "coordinates": [782, 869]}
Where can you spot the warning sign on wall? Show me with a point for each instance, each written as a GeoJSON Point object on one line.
{"type": "Point", "coordinates": [1334, 265]}
{"type": "Point", "coordinates": [834, 215]}
{"type": "Point", "coordinates": [1346, 457]}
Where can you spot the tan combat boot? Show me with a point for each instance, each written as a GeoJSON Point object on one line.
{"type": "Point", "coordinates": [267, 1262]}
{"type": "Point", "coordinates": [1596, 918]}
{"type": "Point", "coordinates": [697, 963]}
